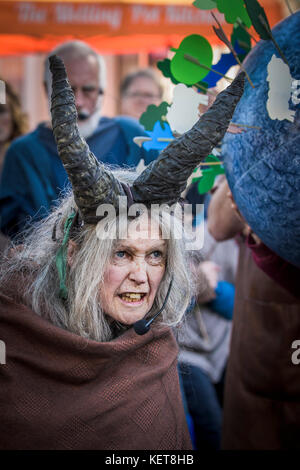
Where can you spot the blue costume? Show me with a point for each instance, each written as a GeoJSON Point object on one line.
{"type": "Point", "coordinates": [33, 176]}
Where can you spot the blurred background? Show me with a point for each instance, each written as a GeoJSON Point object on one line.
{"type": "Point", "coordinates": [130, 34]}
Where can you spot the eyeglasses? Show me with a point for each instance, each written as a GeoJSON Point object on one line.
{"type": "Point", "coordinates": [87, 90]}
{"type": "Point", "coordinates": [145, 96]}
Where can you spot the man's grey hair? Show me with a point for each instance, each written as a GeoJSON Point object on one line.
{"type": "Point", "coordinates": [74, 50]}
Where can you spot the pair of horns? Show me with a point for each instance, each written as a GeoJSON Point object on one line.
{"type": "Point", "coordinates": [163, 180]}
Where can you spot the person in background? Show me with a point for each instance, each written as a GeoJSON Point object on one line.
{"type": "Point", "coordinates": [33, 175]}
{"type": "Point", "coordinates": [13, 121]}
{"type": "Point", "coordinates": [204, 338]}
{"type": "Point", "coordinates": [261, 400]}
{"type": "Point", "coordinates": [138, 90]}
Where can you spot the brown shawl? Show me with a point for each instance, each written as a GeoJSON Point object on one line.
{"type": "Point", "coordinates": [61, 391]}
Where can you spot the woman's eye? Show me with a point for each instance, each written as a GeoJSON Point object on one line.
{"type": "Point", "coordinates": [156, 255]}
{"type": "Point", "coordinates": [121, 257]}
{"type": "Point", "coordinates": [120, 254]}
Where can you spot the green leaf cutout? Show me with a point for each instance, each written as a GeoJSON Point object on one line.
{"type": "Point", "coordinates": [205, 4]}
{"type": "Point", "coordinates": [193, 60]}
{"type": "Point", "coordinates": [258, 18]}
{"type": "Point", "coordinates": [153, 114]}
{"type": "Point", "coordinates": [242, 37]}
{"type": "Point", "coordinates": [165, 67]}
{"type": "Point", "coordinates": [234, 9]}
{"type": "Point", "coordinates": [206, 181]}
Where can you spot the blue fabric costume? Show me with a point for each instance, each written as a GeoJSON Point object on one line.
{"type": "Point", "coordinates": [33, 176]}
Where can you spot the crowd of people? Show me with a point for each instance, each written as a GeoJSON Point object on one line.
{"type": "Point", "coordinates": [117, 336]}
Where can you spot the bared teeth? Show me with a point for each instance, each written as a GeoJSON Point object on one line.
{"type": "Point", "coordinates": [132, 296]}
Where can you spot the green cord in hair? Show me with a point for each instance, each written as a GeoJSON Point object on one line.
{"type": "Point", "coordinates": [61, 258]}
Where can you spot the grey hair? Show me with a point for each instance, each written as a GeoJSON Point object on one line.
{"type": "Point", "coordinates": [35, 268]}
{"type": "Point", "coordinates": [74, 50]}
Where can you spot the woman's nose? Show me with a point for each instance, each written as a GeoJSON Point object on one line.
{"type": "Point", "coordinates": [138, 272]}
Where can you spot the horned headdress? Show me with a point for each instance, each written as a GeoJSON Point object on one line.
{"type": "Point", "coordinates": [162, 181]}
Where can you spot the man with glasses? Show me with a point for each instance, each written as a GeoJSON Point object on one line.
{"type": "Point", "coordinates": [33, 176]}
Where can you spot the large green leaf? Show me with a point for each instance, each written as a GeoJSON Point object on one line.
{"type": "Point", "coordinates": [193, 59]}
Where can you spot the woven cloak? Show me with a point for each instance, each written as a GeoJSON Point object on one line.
{"type": "Point", "coordinates": [61, 391]}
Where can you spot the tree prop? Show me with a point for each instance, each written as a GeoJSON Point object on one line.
{"type": "Point", "coordinates": [206, 181]}
{"type": "Point", "coordinates": [261, 24]}
{"type": "Point", "coordinates": [267, 198]}
{"type": "Point", "coordinates": [185, 98]}
{"type": "Point", "coordinates": [262, 167]}
{"type": "Point", "coordinates": [241, 24]}
{"type": "Point", "coordinates": [226, 61]}
{"type": "Point", "coordinates": [233, 10]}
{"type": "Point", "coordinates": [205, 4]}
{"type": "Point", "coordinates": [165, 67]}
{"type": "Point", "coordinates": [221, 35]}
{"type": "Point", "coordinates": [160, 138]}
{"type": "Point", "coordinates": [153, 114]}
{"type": "Point", "coordinates": [192, 60]}
{"type": "Point", "coordinates": [241, 41]}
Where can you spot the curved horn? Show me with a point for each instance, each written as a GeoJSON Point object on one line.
{"type": "Point", "coordinates": [92, 183]}
{"type": "Point", "coordinates": [165, 178]}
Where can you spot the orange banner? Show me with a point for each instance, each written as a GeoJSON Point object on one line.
{"type": "Point", "coordinates": [113, 28]}
{"type": "Point", "coordinates": [114, 19]}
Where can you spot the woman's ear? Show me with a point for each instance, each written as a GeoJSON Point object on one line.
{"type": "Point", "coordinates": [72, 250]}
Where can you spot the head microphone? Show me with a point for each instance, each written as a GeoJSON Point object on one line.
{"type": "Point", "coordinates": [141, 327]}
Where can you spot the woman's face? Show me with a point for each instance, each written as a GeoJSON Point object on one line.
{"type": "Point", "coordinates": [142, 92]}
{"type": "Point", "coordinates": [132, 278]}
{"type": "Point", "coordinates": [6, 124]}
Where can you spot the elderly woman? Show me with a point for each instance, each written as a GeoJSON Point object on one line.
{"type": "Point", "coordinates": [84, 370]}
